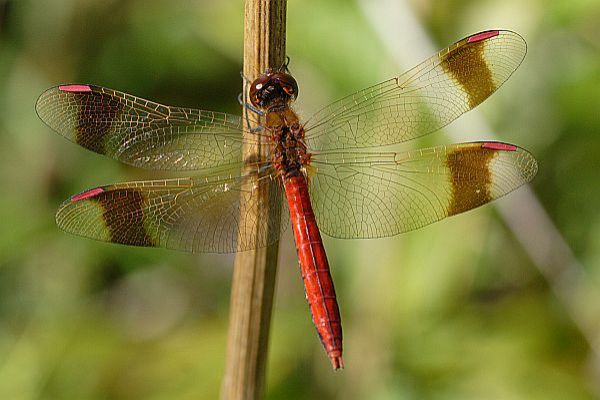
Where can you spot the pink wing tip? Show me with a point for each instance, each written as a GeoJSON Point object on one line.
{"type": "Point", "coordinates": [482, 36]}
{"type": "Point", "coordinates": [87, 194]}
{"type": "Point", "coordinates": [499, 146]}
{"type": "Point", "coordinates": [75, 88]}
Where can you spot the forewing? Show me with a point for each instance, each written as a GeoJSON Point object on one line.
{"type": "Point", "coordinates": [370, 195]}
{"type": "Point", "coordinates": [140, 132]}
{"type": "Point", "coordinates": [422, 100]}
{"type": "Point", "coordinates": [202, 214]}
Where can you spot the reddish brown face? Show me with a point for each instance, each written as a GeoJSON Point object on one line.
{"type": "Point", "coordinates": [273, 88]}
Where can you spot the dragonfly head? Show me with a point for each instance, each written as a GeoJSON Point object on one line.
{"type": "Point", "coordinates": [273, 89]}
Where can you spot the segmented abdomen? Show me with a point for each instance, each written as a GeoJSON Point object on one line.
{"type": "Point", "coordinates": [318, 284]}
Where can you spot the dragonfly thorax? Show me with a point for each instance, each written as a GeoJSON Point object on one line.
{"type": "Point", "coordinates": [289, 155]}
{"type": "Point", "coordinates": [273, 90]}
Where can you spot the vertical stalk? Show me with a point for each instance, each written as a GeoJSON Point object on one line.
{"type": "Point", "coordinates": [254, 271]}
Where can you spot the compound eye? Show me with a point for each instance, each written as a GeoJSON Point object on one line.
{"type": "Point", "coordinates": [254, 99]}
{"type": "Point", "coordinates": [256, 90]}
{"type": "Point", "coordinates": [289, 90]}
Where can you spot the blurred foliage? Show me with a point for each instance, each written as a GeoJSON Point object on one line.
{"type": "Point", "coordinates": [455, 310]}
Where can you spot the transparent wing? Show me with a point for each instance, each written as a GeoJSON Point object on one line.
{"type": "Point", "coordinates": [139, 132]}
{"type": "Point", "coordinates": [422, 100]}
{"type": "Point", "coordinates": [200, 214]}
{"type": "Point", "coordinates": [370, 195]}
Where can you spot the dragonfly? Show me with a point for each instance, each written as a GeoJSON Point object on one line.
{"type": "Point", "coordinates": [334, 173]}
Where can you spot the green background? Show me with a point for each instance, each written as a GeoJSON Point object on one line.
{"type": "Point", "coordinates": [456, 310]}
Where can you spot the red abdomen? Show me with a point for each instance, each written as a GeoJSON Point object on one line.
{"type": "Point", "coordinates": [318, 284]}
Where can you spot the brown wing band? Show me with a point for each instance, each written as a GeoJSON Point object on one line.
{"type": "Point", "coordinates": [470, 177]}
{"type": "Point", "coordinates": [94, 119]}
{"type": "Point", "coordinates": [124, 216]}
{"type": "Point", "coordinates": [473, 75]}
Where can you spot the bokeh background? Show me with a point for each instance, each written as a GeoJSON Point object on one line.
{"type": "Point", "coordinates": [463, 309]}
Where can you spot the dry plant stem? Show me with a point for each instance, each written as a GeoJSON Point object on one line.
{"type": "Point", "coordinates": [254, 272]}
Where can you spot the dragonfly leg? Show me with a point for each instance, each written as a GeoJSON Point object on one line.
{"type": "Point", "coordinates": [245, 79]}
{"type": "Point", "coordinates": [284, 67]}
{"type": "Point", "coordinates": [256, 129]}
{"type": "Point", "coordinates": [249, 106]}
{"type": "Point", "coordinates": [242, 99]}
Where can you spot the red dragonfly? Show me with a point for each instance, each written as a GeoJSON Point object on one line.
{"type": "Point", "coordinates": [328, 168]}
